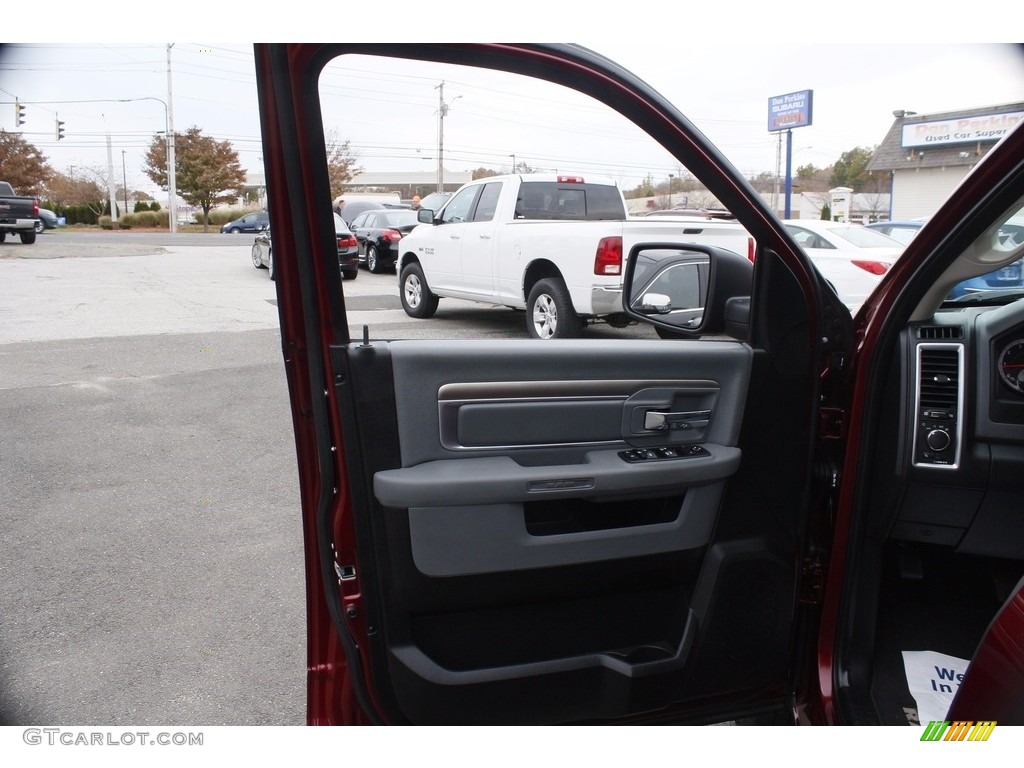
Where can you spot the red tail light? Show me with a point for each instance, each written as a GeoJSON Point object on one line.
{"type": "Point", "coordinates": [392, 235]}
{"type": "Point", "coordinates": [608, 260]}
{"type": "Point", "coordinates": [570, 179]}
{"type": "Point", "coordinates": [874, 267]}
{"type": "Point", "coordinates": [346, 241]}
{"type": "Point", "coordinates": [35, 208]}
{"type": "Point", "coordinates": [751, 250]}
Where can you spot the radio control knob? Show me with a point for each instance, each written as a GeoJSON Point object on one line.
{"type": "Point", "coordinates": [938, 440]}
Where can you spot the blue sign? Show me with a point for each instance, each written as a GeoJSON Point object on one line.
{"type": "Point", "coordinates": [791, 110]}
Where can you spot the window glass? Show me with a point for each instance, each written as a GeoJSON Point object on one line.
{"type": "Point", "coordinates": [488, 204]}
{"type": "Point", "coordinates": [460, 206]}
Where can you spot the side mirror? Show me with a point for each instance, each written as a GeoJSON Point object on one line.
{"type": "Point", "coordinates": [684, 291]}
{"type": "Point", "coordinates": [425, 216]}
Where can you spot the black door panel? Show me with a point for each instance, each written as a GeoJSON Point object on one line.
{"type": "Point", "coordinates": [542, 531]}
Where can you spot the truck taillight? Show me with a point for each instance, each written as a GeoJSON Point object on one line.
{"type": "Point", "coordinates": [35, 208]}
{"type": "Point", "coordinates": [874, 267]}
{"type": "Point", "coordinates": [751, 250]}
{"type": "Point", "coordinates": [608, 260]}
{"type": "Point", "coordinates": [570, 179]}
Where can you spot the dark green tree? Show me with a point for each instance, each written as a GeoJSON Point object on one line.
{"type": "Point", "coordinates": [850, 170]}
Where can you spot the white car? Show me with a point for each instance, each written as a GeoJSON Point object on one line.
{"type": "Point", "coordinates": [851, 257]}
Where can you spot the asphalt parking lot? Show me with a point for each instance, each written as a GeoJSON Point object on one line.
{"type": "Point", "coordinates": [152, 553]}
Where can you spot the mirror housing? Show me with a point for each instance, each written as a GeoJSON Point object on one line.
{"type": "Point", "coordinates": [424, 216]}
{"type": "Point", "coordinates": [688, 291]}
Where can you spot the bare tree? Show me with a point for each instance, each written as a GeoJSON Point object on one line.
{"type": "Point", "coordinates": [87, 187]}
{"type": "Point", "coordinates": [341, 163]}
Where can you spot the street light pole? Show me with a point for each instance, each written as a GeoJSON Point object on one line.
{"type": "Point", "coordinates": [513, 156]}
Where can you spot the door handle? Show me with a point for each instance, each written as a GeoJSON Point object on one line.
{"type": "Point", "coordinates": [660, 420]}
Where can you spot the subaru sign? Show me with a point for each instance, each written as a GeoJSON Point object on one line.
{"type": "Point", "coordinates": [791, 110]}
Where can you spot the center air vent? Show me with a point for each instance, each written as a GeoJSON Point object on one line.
{"type": "Point", "coordinates": [938, 399]}
{"type": "Point", "coordinates": [940, 378]}
{"type": "Point", "coordinates": [940, 332]}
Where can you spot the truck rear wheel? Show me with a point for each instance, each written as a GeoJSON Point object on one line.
{"type": "Point", "coordinates": [549, 311]}
{"type": "Point", "coordinates": [28, 237]}
{"type": "Point", "coordinates": [417, 300]}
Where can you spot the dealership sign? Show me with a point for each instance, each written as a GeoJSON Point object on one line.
{"type": "Point", "coordinates": [960, 129]}
{"type": "Point", "coordinates": [791, 110]}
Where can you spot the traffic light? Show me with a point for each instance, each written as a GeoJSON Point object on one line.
{"type": "Point", "coordinates": [19, 114]}
{"type": "Point", "coordinates": [60, 130]}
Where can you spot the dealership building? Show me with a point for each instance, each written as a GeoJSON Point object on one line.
{"type": "Point", "coordinates": [927, 156]}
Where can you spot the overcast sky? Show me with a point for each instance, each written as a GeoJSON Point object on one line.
{"type": "Point", "coordinates": [388, 110]}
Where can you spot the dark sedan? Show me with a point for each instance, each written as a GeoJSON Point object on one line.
{"type": "Point", "coordinates": [348, 249]}
{"type": "Point", "coordinates": [262, 251]}
{"type": "Point", "coordinates": [379, 233]}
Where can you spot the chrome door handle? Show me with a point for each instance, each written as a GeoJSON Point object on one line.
{"type": "Point", "coordinates": [660, 420]}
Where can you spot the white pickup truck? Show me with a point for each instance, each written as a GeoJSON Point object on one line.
{"type": "Point", "coordinates": [554, 245]}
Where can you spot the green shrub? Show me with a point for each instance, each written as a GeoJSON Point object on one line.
{"type": "Point", "coordinates": [145, 219]}
{"type": "Point", "coordinates": [224, 215]}
{"type": "Point", "coordinates": [79, 214]}
{"type": "Point", "coordinates": [154, 206]}
{"type": "Point", "coordinates": [105, 222]}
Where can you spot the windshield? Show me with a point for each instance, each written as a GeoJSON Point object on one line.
{"type": "Point", "coordinates": [1004, 284]}
{"type": "Point", "coordinates": [398, 218]}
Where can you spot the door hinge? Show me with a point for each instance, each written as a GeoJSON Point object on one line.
{"type": "Point", "coordinates": [832, 423]}
{"type": "Point", "coordinates": [812, 580]}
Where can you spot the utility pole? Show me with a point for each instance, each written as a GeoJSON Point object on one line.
{"type": "Point", "coordinates": [110, 181]}
{"type": "Point", "coordinates": [440, 136]}
{"type": "Point", "coordinates": [442, 111]}
{"type": "Point", "coordinates": [124, 182]}
{"type": "Point", "coordinates": [172, 191]}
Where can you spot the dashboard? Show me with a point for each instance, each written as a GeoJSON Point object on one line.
{"type": "Point", "coordinates": [961, 452]}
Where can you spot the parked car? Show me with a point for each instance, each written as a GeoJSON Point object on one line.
{"type": "Point", "coordinates": [900, 231]}
{"type": "Point", "coordinates": [47, 220]}
{"type": "Point", "coordinates": [852, 258]}
{"type": "Point", "coordinates": [379, 233]}
{"type": "Point", "coordinates": [262, 252]}
{"type": "Point", "coordinates": [251, 222]}
{"type": "Point", "coordinates": [754, 521]}
{"type": "Point", "coordinates": [1008, 277]}
{"type": "Point", "coordinates": [348, 249]}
